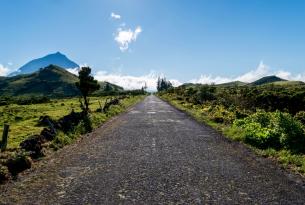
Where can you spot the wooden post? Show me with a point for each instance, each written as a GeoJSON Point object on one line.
{"type": "Point", "coordinates": [100, 104]}
{"type": "Point", "coordinates": [4, 137]}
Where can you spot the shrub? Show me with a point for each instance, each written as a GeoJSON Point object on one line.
{"type": "Point", "coordinates": [291, 132]}
{"type": "Point", "coordinates": [260, 137]}
{"type": "Point", "coordinates": [300, 116]}
{"type": "Point", "coordinates": [273, 130]}
{"type": "Point", "coordinates": [240, 114]}
{"type": "Point", "coordinates": [220, 114]}
{"type": "Point", "coordinates": [262, 117]}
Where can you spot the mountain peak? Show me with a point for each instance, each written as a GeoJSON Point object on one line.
{"type": "Point", "coordinates": [267, 79]}
{"type": "Point", "coordinates": [57, 59]}
{"type": "Point", "coordinates": [57, 54]}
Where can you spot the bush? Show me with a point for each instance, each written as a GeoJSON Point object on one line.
{"type": "Point", "coordinates": [258, 131]}
{"type": "Point", "coordinates": [220, 114]}
{"type": "Point", "coordinates": [291, 132]}
{"type": "Point", "coordinates": [273, 130]}
{"type": "Point", "coordinates": [300, 116]}
{"type": "Point", "coordinates": [260, 137]}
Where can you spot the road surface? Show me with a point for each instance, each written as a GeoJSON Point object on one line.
{"type": "Point", "coordinates": [155, 154]}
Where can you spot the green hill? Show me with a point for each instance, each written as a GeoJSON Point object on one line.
{"type": "Point", "coordinates": [288, 83]}
{"type": "Point", "coordinates": [267, 79]}
{"type": "Point", "coordinates": [232, 84]}
{"type": "Point", "coordinates": [52, 81]}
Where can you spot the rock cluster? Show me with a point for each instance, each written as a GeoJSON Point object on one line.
{"type": "Point", "coordinates": [34, 143]}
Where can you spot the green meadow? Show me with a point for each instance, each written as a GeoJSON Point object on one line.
{"type": "Point", "coordinates": [24, 119]}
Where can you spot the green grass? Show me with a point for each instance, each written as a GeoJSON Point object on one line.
{"type": "Point", "coordinates": [23, 119]}
{"type": "Point", "coordinates": [286, 158]}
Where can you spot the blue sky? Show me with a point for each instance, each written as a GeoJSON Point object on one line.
{"type": "Point", "coordinates": [186, 40]}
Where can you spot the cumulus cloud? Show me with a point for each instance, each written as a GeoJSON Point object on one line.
{"type": "Point", "coordinates": [209, 79]}
{"type": "Point", "coordinates": [132, 82]}
{"type": "Point", "coordinates": [115, 16]}
{"type": "Point", "coordinates": [73, 70]}
{"type": "Point", "coordinates": [126, 36]}
{"type": "Point", "coordinates": [261, 71]}
{"type": "Point", "coordinates": [4, 70]}
{"type": "Point", "coordinates": [76, 70]}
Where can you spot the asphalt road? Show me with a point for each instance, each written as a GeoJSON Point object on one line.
{"type": "Point", "coordinates": [155, 154]}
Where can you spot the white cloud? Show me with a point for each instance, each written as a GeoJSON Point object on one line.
{"type": "Point", "coordinates": [73, 70]}
{"type": "Point", "coordinates": [136, 82]}
{"type": "Point", "coordinates": [76, 70]}
{"type": "Point", "coordinates": [132, 82]}
{"type": "Point", "coordinates": [126, 36]}
{"type": "Point", "coordinates": [115, 16]}
{"type": "Point", "coordinates": [261, 71]}
{"type": "Point", "coordinates": [4, 70]}
{"type": "Point", "coordinates": [209, 79]}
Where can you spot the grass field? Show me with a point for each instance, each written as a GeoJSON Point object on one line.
{"type": "Point", "coordinates": [23, 119]}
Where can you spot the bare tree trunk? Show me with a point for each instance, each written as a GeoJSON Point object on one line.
{"type": "Point", "coordinates": [4, 137]}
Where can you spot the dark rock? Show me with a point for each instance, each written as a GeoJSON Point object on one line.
{"type": "Point", "coordinates": [18, 164]}
{"type": "Point", "coordinates": [68, 122]}
{"type": "Point", "coordinates": [47, 134]}
{"type": "Point", "coordinates": [44, 120]}
{"type": "Point", "coordinates": [33, 145]}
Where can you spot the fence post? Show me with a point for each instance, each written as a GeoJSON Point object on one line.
{"type": "Point", "coordinates": [100, 105]}
{"type": "Point", "coordinates": [4, 137]}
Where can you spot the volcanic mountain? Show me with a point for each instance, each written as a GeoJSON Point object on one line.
{"type": "Point", "coordinates": [57, 59]}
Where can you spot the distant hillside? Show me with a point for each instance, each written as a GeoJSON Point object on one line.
{"type": "Point", "coordinates": [232, 84]}
{"type": "Point", "coordinates": [186, 85]}
{"type": "Point", "coordinates": [267, 79]}
{"type": "Point", "coordinates": [52, 81]}
{"type": "Point", "coordinates": [55, 59]}
{"type": "Point", "coordinates": [288, 83]}
{"type": "Point", "coordinates": [229, 84]}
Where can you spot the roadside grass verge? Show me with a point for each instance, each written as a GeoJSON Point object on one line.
{"type": "Point", "coordinates": [96, 119]}
{"type": "Point", "coordinates": [285, 157]}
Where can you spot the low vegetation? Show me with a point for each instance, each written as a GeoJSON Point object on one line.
{"type": "Point", "coordinates": [269, 117]}
{"type": "Point", "coordinates": [39, 124]}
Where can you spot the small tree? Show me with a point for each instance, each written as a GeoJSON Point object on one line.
{"type": "Point", "coordinates": [86, 85]}
{"type": "Point", "coordinates": [163, 84]}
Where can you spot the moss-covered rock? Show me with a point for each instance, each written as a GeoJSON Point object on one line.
{"type": "Point", "coordinates": [19, 163]}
